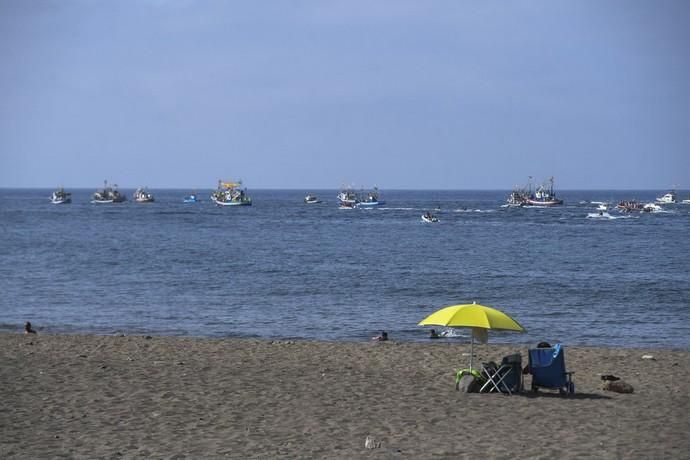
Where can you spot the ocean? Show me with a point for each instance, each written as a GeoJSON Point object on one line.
{"type": "Point", "coordinates": [282, 269]}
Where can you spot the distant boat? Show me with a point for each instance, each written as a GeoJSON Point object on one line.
{"type": "Point", "coordinates": [599, 215]}
{"type": "Point", "coordinates": [630, 206]}
{"type": "Point", "coordinates": [348, 198]}
{"type": "Point", "coordinates": [108, 195]}
{"type": "Point", "coordinates": [141, 195]}
{"type": "Point", "coordinates": [686, 201]}
{"type": "Point", "coordinates": [668, 198]}
{"type": "Point", "coordinates": [652, 207]}
{"type": "Point", "coordinates": [192, 198]}
{"type": "Point", "coordinates": [369, 199]}
{"type": "Point", "coordinates": [61, 197]}
{"type": "Point", "coordinates": [544, 196]}
{"type": "Point", "coordinates": [429, 218]}
{"type": "Point", "coordinates": [230, 194]}
{"type": "Point", "coordinates": [311, 199]}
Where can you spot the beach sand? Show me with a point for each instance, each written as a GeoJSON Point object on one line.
{"type": "Point", "coordinates": [168, 397]}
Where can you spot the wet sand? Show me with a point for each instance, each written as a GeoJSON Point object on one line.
{"type": "Point", "coordinates": [169, 397]}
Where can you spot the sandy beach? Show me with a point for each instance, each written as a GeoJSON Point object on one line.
{"type": "Point", "coordinates": [75, 396]}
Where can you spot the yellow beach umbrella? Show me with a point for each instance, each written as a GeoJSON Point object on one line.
{"type": "Point", "coordinates": [479, 318]}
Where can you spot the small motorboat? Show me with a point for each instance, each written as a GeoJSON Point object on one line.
{"type": "Point", "coordinates": [193, 198]}
{"type": "Point", "coordinates": [311, 199]}
{"type": "Point", "coordinates": [429, 218]}
{"type": "Point", "coordinates": [652, 207]}
{"type": "Point", "coordinates": [61, 197]}
{"type": "Point", "coordinates": [599, 215]}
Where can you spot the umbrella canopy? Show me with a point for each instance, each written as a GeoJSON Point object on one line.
{"type": "Point", "coordinates": [478, 317]}
{"type": "Point", "coordinates": [472, 315]}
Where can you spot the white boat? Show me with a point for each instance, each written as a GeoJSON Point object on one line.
{"type": "Point", "coordinates": [599, 215]}
{"type": "Point", "coordinates": [192, 198]}
{"type": "Point", "coordinates": [230, 194]}
{"type": "Point", "coordinates": [603, 207]}
{"type": "Point", "coordinates": [429, 218]}
{"type": "Point", "coordinates": [652, 207]}
{"type": "Point", "coordinates": [686, 201]}
{"type": "Point", "coordinates": [141, 195]}
{"type": "Point", "coordinates": [311, 199]}
{"type": "Point", "coordinates": [347, 198]}
{"type": "Point", "coordinates": [59, 196]}
{"type": "Point", "coordinates": [668, 198]}
{"type": "Point", "coordinates": [108, 195]}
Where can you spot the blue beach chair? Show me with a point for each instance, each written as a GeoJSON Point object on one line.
{"type": "Point", "coordinates": [547, 366]}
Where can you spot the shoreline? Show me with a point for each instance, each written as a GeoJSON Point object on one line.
{"type": "Point", "coordinates": [91, 396]}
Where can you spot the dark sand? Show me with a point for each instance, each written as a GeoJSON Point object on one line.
{"type": "Point", "coordinates": [129, 397]}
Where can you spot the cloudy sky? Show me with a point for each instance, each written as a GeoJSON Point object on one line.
{"type": "Point", "coordinates": [315, 94]}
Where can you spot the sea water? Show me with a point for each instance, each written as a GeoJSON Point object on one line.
{"type": "Point", "coordinates": [282, 269]}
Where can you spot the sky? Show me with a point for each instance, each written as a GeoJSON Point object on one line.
{"type": "Point", "coordinates": [400, 94]}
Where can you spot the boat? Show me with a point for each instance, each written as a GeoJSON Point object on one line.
{"type": "Point", "coordinates": [652, 207]}
{"type": "Point", "coordinates": [518, 198]}
{"type": "Point", "coordinates": [230, 194]}
{"type": "Point", "coordinates": [347, 198]}
{"type": "Point", "coordinates": [59, 196]}
{"type": "Point", "coordinates": [544, 196]}
{"type": "Point", "coordinates": [599, 215]}
{"type": "Point", "coordinates": [192, 198]}
{"type": "Point", "coordinates": [369, 199]}
{"type": "Point", "coordinates": [108, 195]}
{"type": "Point", "coordinates": [142, 195]}
{"type": "Point", "coordinates": [668, 198]}
{"type": "Point", "coordinates": [630, 206]}
{"type": "Point", "coordinates": [686, 201]}
{"type": "Point", "coordinates": [429, 218]}
{"type": "Point", "coordinates": [311, 199]}
{"type": "Point", "coordinates": [603, 207]}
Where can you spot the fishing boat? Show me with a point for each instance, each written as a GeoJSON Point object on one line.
{"type": "Point", "coordinates": [311, 199]}
{"type": "Point", "coordinates": [142, 195]}
{"type": "Point", "coordinates": [369, 199]}
{"type": "Point", "coordinates": [668, 198]}
{"type": "Point", "coordinates": [108, 195]}
{"type": "Point", "coordinates": [518, 198]}
{"type": "Point", "coordinates": [429, 218]}
{"type": "Point", "coordinates": [347, 198]}
{"type": "Point", "coordinates": [230, 194]}
{"type": "Point", "coordinates": [544, 196]}
{"type": "Point", "coordinates": [59, 196]}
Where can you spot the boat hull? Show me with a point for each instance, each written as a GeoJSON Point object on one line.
{"type": "Point", "coordinates": [65, 201]}
{"type": "Point", "coordinates": [545, 204]}
{"type": "Point", "coordinates": [369, 204]}
{"type": "Point", "coordinates": [232, 203]}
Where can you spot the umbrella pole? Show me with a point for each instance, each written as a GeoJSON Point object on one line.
{"type": "Point", "coordinates": [471, 351]}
